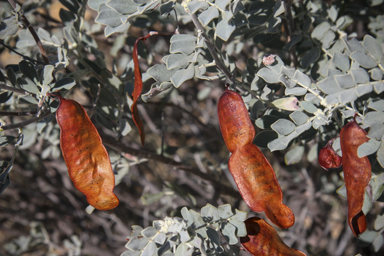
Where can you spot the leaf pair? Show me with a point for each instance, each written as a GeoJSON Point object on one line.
{"type": "Point", "coordinates": [253, 174]}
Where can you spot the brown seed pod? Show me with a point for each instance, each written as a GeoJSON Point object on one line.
{"type": "Point", "coordinates": [87, 159]}
{"type": "Point", "coordinates": [357, 174]}
{"type": "Point", "coordinates": [253, 174]}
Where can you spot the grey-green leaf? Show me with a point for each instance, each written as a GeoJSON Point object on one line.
{"type": "Point", "coordinates": [183, 75]}
{"type": "Point", "coordinates": [363, 59]}
{"type": "Point", "coordinates": [206, 16]}
{"type": "Point", "coordinates": [368, 148]}
{"type": "Point", "coordinates": [283, 126]}
{"type": "Point", "coordinates": [294, 155]}
{"type": "Point", "coordinates": [225, 29]}
{"type": "Point", "coordinates": [373, 47]}
{"type": "Point", "coordinates": [341, 61]}
{"type": "Point", "coordinates": [183, 43]}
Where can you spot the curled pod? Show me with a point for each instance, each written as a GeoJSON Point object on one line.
{"type": "Point", "coordinates": [357, 174]}
{"type": "Point", "coordinates": [262, 239]}
{"type": "Point", "coordinates": [253, 174]}
{"type": "Point", "coordinates": [86, 158]}
{"type": "Point", "coordinates": [328, 158]}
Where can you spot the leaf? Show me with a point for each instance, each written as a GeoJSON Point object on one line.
{"type": "Point", "coordinates": [341, 61]}
{"type": "Point", "coordinates": [320, 30]}
{"type": "Point", "coordinates": [368, 148]}
{"type": "Point", "coordinates": [183, 75]}
{"type": "Point", "coordinates": [224, 29]}
{"type": "Point", "coordinates": [329, 85]}
{"type": "Point", "coordinates": [268, 75]}
{"type": "Point", "coordinates": [208, 15]}
{"type": "Point", "coordinates": [66, 83]}
{"type": "Point", "coordinates": [283, 126]}
{"type": "Point", "coordinates": [299, 118]}
{"type": "Point", "coordinates": [264, 137]}
{"type": "Point", "coordinates": [6, 140]}
{"type": "Point", "coordinates": [310, 57]}
{"type": "Point", "coordinates": [373, 47]}
{"type": "Point", "coordinates": [379, 222]}
{"type": "Point", "coordinates": [363, 59]}
{"type": "Point", "coordinates": [178, 60]}
{"type": "Point", "coordinates": [357, 174]}
{"type": "Point", "coordinates": [123, 6]}
{"type": "Point", "coordinates": [183, 250]}
{"type": "Point", "coordinates": [360, 75]}
{"type": "Point", "coordinates": [294, 155]}
{"type": "Point", "coordinates": [8, 27]}
{"type": "Point", "coordinates": [308, 106]}
{"type": "Point", "coordinates": [376, 104]}
{"type": "Point", "coordinates": [108, 16]}
{"type": "Point", "coordinates": [378, 243]}
{"type": "Point", "coordinates": [373, 117]}
{"type": "Point", "coordinates": [195, 6]}
{"type": "Point", "coordinates": [289, 103]}
{"type": "Point", "coordinates": [262, 239]}
{"type": "Point", "coordinates": [182, 43]}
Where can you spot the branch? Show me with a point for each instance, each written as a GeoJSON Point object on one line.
{"type": "Point", "coordinates": [33, 33]}
{"type": "Point", "coordinates": [13, 89]}
{"type": "Point", "coordinates": [24, 123]}
{"type": "Point", "coordinates": [120, 147]}
{"type": "Point", "coordinates": [24, 57]}
{"type": "Point", "coordinates": [219, 64]}
{"type": "Point", "coordinates": [23, 113]}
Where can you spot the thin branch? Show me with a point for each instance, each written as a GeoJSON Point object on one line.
{"type": "Point", "coordinates": [219, 64]}
{"type": "Point", "coordinates": [120, 147]}
{"type": "Point", "coordinates": [22, 113]}
{"type": "Point", "coordinates": [26, 122]}
{"type": "Point", "coordinates": [13, 89]}
{"type": "Point", "coordinates": [33, 33]}
{"type": "Point", "coordinates": [24, 57]}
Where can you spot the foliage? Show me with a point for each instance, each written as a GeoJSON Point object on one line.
{"type": "Point", "coordinates": [316, 74]}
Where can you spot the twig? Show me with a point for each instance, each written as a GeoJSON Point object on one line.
{"type": "Point", "coordinates": [26, 122]}
{"type": "Point", "coordinates": [219, 64]}
{"type": "Point", "coordinates": [11, 113]}
{"type": "Point", "coordinates": [289, 26]}
{"type": "Point", "coordinates": [33, 33]}
{"type": "Point", "coordinates": [13, 89]}
{"type": "Point", "coordinates": [120, 147]}
{"type": "Point", "coordinates": [24, 57]}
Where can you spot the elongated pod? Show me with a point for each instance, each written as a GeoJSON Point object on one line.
{"type": "Point", "coordinates": [87, 159]}
{"type": "Point", "coordinates": [263, 240]}
{"type": "Point", "coordinates": [253, 174]}
{"type": "Point", "coordinates": [357, 174]}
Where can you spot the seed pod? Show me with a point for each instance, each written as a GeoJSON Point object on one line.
{"type": "Point", "coordinates": [86, 158]}
{"type": "Point", "coordinates": [253, 174]}
{"type": "Point", "coordinates": [262, 239]}
{"type": "Point", "coordinates": [328, 158]}
{"type": "Point", "coordinates": [357, 174]}
{"type": "Point", "coordinates": [235, 124]}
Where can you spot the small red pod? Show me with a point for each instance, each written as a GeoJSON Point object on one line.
{"type": "Point", "coordinates": [86, 158]}
{"type": "Point", "coordinates": [328, 158]}
{"type": "Point", "coordinates": [253, 174]}
{"type": "Point", "coordinates": [357, 174]}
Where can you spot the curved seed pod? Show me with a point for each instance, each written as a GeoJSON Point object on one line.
{"type": "Point", "coordinates": [357, 174]}
{"type": "Point", "coordinates": [87, 160]}
{"type": "Point", "coordinates": [253, 174]}
{"type": "Point", "coordinates": [258, 186]}
{"type": "Point", "coordinates": [262, 239]}
{"type": "Point", "coordinates": [235, 124]}
{"type": "Point", "coordinates": [328, 158]}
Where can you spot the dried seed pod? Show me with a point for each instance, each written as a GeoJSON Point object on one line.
{"type": "Point", "coordinates": [253, 174]}
{"type": "Point", "coordinates": [328, 158]}
{"type": "Point", "coordinates": [87, 159]}
{"type": "Point", "coordinates": [357, 174]}
{"type": "Point", "coordinates": [262, 239]}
